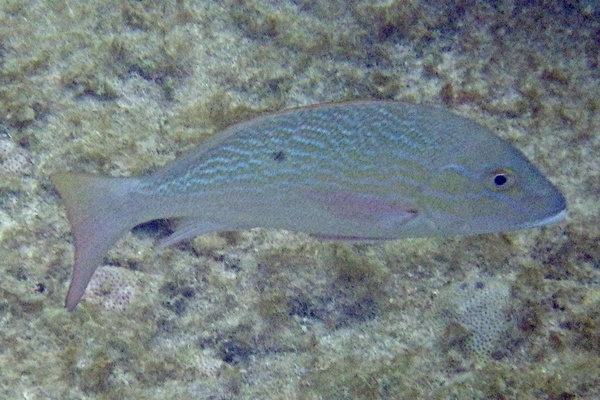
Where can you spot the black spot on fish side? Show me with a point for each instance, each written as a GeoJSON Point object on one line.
{"type": "Point", "coordinates": [278, 156]}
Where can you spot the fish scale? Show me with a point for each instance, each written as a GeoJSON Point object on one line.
{"type": "Point", "coordinates": [350, 171]}
{"type": "Point", "coordinates": [301, 149]}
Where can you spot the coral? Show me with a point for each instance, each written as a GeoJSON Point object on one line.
{"type": "Point", "coordinates": [113, 288]}
{"type": "Point", "coordinates": [475, 315]}
{"type": "Point", "coordinates": [13, 159]}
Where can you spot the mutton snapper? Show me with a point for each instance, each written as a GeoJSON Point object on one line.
{"type": "Point", "coordinates": [364, 170]}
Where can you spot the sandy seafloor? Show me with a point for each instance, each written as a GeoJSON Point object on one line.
{"type": "Point", "coordinates": [123, 87]}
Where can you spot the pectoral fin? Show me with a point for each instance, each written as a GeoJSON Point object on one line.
{"type": "Point", "coordinates": [377, 212]}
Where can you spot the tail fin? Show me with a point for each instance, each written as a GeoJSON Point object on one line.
{"type": "Point", "coordinates": [100, 211]}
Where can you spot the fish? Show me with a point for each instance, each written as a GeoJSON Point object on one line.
{"type": "Point", "coordinates": [356, 171]}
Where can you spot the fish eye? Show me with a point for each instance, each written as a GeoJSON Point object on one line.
{"type": "Point", "coordinates": [502, 178]}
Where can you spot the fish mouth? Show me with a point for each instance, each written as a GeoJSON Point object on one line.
{"type": "Point", "coordinates": [555, 205]}
{"type": "Point", "coordinates": [553, 219]}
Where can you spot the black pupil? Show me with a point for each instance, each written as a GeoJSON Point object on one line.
{"type": "Point", "coordinates": [500, 180]}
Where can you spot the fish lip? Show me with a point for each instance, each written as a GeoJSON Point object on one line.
{"type": "Point", "coordinates": [553, 219]}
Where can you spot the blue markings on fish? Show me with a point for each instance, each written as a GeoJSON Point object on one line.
{"type": "Point", "coordinates": [351, 171]}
